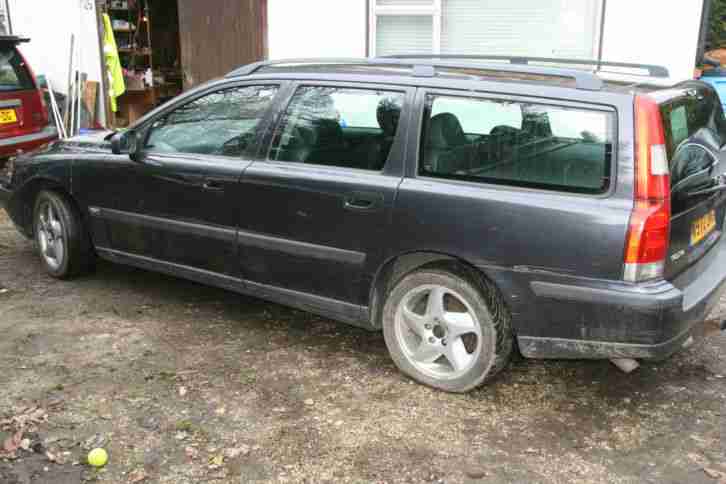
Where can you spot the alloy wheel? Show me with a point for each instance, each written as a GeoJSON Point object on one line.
{"type": "Point", "coordinates": [438, 331]}
{"type": "Point", "coordinates": [50, 235]}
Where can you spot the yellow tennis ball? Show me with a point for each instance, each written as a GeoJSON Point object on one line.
{"type": "Point", "coordinates": [97, 457]}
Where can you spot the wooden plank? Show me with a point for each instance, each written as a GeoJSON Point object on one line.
{"type": "Point", "coordinates": [233, 33]}
{"type": "Point", "coordinates": [90, 94]}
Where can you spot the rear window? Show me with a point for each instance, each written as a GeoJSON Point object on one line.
{"type": "Point", "coordinates": [684, 116]}
{"type": "Point", "coordinates": [14, 74]}
{"type": "Point", "coordinates": [519, 144]}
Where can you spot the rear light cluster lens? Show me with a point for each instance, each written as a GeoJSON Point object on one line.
{"type": "Point", "coordinates": [41, 118]}
{"type": "Point", "coordinates": [646, 246]}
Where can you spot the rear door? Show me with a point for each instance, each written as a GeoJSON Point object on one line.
{"type": "Point", "coordinates": [695, 131]}
{"type": "Point", "coordinates": [21, 110]}
{"type": "Point", "coordinates": [318, 205]}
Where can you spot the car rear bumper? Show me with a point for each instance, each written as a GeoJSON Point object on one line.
{"type": "Point", "coordinates": [28, 142]}
{"type": "Point", "coordinates": [644, 321]}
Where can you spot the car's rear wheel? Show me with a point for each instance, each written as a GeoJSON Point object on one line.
{"type": "Point", "coordinates": [62, 241]}
{"type": "Point", "coordinates": [446, 330]}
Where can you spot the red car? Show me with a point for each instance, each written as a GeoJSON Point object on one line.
{"type": "Point", "coordinates": [24, 124]}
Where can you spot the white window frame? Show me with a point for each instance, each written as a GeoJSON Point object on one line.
{"type": "Point", "coordinates": [433, 10]}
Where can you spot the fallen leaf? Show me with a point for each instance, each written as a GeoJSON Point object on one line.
{"type": "Point", "coordinates": [96, 440]}
{"type": "Point", "coordinates": [50, 457]}
{"type": "Point", "coordinates": [700, 460]}
{"type": "Point", "coordinates": [714, 474]}
{"type": "Point", "coordinates": [221, 411]}
{"type": "Point", "coordinates": [12, 443]}
{"type": "Point", "coordinates": [25, 444]}
{"type": "Point", "coordinates": [217, 460]}
{"type": "Point", "coordinates": [137, 476]}
{"type": "Point", "coordinates": [309, 401]}
{"type": "Point", "coordinates": [182, 391]}
{"type": "Point", "coordinates": [231, 453]}
{"type": "Point", "coordinates": [191, 452]}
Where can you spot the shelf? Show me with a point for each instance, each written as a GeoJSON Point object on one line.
{"type": "Point", "coordinates": [141, 52]}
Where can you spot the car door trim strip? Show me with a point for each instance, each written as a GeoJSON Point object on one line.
{"type": "Point", "coordinates": [244, 238]}
{"type": "Point", "coordinates": [178, 226]}
{"type": "Point", "coordinates": [301, 249]}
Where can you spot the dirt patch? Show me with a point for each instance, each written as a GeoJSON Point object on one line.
{"type": "Point", "coordinates": [183, 383]}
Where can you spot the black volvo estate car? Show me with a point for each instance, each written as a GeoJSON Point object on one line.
{"type": "Point", "coordinates": [465, 207]}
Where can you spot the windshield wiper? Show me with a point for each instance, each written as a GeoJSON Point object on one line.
{"type": "Point", "coordinates": [706, 191]}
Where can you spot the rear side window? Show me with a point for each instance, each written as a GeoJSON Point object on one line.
{"type": "Point", "coordinates": [14, 74]}
{"type": "Point", "coordinates": [339, 126]}
{"type": "Point", "coordinates": [698, 109]}
{"type": "Point", "coordinates": [518, 144]}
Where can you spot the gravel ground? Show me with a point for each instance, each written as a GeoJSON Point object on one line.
{"type": "Point", "coordinates": [183, 383]}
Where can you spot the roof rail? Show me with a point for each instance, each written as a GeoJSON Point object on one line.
{"type": "Point", "coordinates": [424, 66]}
{"type": "Point", "coordinates": [13, 39]}
{"type": "Point", "coordinates": [653, 70]}
{"type": "Point", "coordinates": [249, 69]}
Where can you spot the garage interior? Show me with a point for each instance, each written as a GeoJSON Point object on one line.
{"type": "Point", "coordinates": [167, 46]}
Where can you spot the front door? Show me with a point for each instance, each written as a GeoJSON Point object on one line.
{"type": "Point", "coordinates": [324, 191]}
{"type": "Point", "coordinates": [185, 205]}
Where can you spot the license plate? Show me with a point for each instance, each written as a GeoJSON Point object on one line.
{"type": "Point", "coordinates": [8, 116]}
{"type": "Point", "coordinates": [702, 227]}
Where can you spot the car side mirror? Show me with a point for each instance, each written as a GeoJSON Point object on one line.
{"type": "Point", "coordinates": [127, 142]}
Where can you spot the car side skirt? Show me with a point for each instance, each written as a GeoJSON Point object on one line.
{"type": "Point", "coordinates": [332, 308]}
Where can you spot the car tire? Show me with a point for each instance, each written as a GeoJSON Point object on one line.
{"type": "Point", "coordinates": [447, 330]}
{"type": "Point", "coordinates": [62, 240]}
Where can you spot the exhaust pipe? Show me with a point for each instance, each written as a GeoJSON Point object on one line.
{"type": "Point", "coordinates": [626, 365]}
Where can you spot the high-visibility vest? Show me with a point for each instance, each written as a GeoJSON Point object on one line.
{"type": "Point", "coordinates": [113, 63]}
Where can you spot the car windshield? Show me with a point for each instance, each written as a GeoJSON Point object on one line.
{"type": "Point", "coordinates": [14, 74]}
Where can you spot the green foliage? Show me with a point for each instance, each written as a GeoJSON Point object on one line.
{"type": "Point", "coordinates": [717, 25]}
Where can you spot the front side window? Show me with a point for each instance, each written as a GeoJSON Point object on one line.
{"type": "Point", "coordinates": [222, 123]}
{"type": "Point", "coordinates": [518, 144]}
{"type": "Point", "coordinates": [338, 126]}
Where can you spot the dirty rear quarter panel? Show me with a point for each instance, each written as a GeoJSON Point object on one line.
{"type": "Point", "coordinates": [520, 236]}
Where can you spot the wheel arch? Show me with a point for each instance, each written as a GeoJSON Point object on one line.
{"type": "Point", "coordinates": [395, 268]}
{"type": "Point", "coordinates": [28, 193]}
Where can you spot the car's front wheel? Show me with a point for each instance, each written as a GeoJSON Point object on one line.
{"type": "Point", "coordinates": [62, 241]}
{"type": "Point", "coordinates": [446, 330]}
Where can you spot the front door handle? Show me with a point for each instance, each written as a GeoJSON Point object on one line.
{"type": "Point", "coordinates": [363, 201]}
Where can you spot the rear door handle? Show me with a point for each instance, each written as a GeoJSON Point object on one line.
{"type": "Point", "coordinates": [363, 201]}
{"type": "Point", "coordinates": [212, 185]}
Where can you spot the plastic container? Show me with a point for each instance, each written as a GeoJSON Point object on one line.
{"type": "Point", "coordinates": [717, 78]}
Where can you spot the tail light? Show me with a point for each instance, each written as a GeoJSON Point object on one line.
{"type": "Point", "coordinates": [646, 246]}
{"type": "Point", "coordinates": [41, 118]}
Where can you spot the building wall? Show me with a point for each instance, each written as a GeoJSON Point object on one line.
{"type": "Point", "coordinates": [642, 31]}
{"type": "Point", "coordinates": [49, 25]}
{"type": "Point", "coordinates": [316, 28]}
{"type": "Point", "coordinates": [654, 32]}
